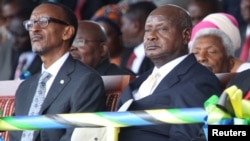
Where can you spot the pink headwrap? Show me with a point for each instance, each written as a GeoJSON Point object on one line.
{"type": "Point", "coordinates": [222, 21]}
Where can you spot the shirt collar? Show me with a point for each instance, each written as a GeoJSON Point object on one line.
{"type": "Point", "coordinates": [56, 66]}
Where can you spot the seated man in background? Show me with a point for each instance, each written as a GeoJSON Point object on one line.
{"type": "Point", "coordinates": [91, 48]}
{"type": "Point", "coordinates": [214, 41]}
{"type": "Point", "coordinates": [177, 80]}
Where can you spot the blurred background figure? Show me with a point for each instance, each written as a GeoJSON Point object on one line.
{"type": "Point", "coordinates": [214, 41]}
{"type": "Point", "coordinates": [181, 3]}
{"type": "Point", "coordinates": [109, 16]}
{"type": "Point", "coordinates": [133, 22]}
{"type": "Point", "coordinates": [8, 56]}
{"type": "Point", "coordinates": [85, 9]}
{"type": "Point", "coordinates": [232, 7]}
{"type": "Point", "coordinates": [91, 48]}
{"type": "Point", "coordinates": [3, 30]}
{"type": "Point", "coordinates": [199, 9]}
{"type": "Point", "coordinates": [27, 60]}
{"type": "Point", "coordinates": [245, 32]}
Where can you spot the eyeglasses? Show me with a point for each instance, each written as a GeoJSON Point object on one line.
{"type": "Point", "coordinates": [42, 22]}
{"type": "Point", "coordinates": [83, 42]}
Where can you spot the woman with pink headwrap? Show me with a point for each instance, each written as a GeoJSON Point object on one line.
{"type": "Point", "coordinates": [214, 41]}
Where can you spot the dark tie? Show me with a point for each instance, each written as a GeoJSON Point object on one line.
{"type": "Point", "coordinates": [37, 102]}
{"type": "Point", "coordinates": [131, 60]}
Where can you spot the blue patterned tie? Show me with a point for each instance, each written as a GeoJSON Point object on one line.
{"type": "Point", "coordinates": [37, 103]}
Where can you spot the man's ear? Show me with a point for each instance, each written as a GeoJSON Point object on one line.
{"type": "Point", "coordinates": [186, 34]}
{"type": "Point", "coordinates": [135, 26]}
{"type": "Point", "coordinates": [105, 49]}
{"type": "Point", "coordinates": [231, 64]}
{"type": "Point", "coordinates": [68, 32]}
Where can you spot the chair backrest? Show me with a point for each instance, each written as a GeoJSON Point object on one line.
{"type": "Point", "coordinates": [7, 97]}
{"type": "Point", "coordinates": [114, 85]}
{"type": "Point", "coordinates": [9, 87]}
{"type": "Point", "coordinates": [225, 78]}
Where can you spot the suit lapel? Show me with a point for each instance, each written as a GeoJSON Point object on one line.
{"type": "Point", "coordinates": [61, 80]}
{"type": "Point", "coordinates": [175, 75]}
{"type": "Point", "coordinates": [136, 84]}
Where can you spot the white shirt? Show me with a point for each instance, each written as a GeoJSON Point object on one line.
{"type": "Point", "coordinates": [140, 55]}
{"type": "Point", "coordinates": [53, 70]}
{"type": "Point", "coordinates": [164, 71]}
{"type": "Point", "coordinates": [243, 67]}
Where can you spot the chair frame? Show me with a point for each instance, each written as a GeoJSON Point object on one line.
{"type": "Point", "coordinates": [114, 85]}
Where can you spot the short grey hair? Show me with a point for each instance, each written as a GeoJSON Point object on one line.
{"type": "Point", "coordinates": [226, 41]}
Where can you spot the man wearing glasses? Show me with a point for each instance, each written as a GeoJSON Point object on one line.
{"type": "Point", "coordinates": [64, 85]}
{"type": "Point", "coordinates": [90, 47]}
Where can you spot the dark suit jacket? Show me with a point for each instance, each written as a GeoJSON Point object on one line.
{"type": "Point", "coordinates": [106, 68]}
{"type": "Point", "coordinates": [188, 85]}
{"type": "Point", "coordinates": [241, 80]}
{"type": "Point", "coordinates": [145, 65]}
{"type": "Point", "coordinates": [82, 91]}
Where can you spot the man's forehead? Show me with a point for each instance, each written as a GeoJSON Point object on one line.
{"type": "Point", "coordinates": [157, 18]}
{"type": "Point", "coordinates": [45, 10]}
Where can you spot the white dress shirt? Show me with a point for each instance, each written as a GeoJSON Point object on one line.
{"type": "Point", "coordinates": [164, 71]}
{"type": "Point", "coordinates": [53, 70]}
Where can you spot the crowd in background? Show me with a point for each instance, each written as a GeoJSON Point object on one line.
{"type": "Point", "coordinates": [124, 28]}
{"type": "Point", "coordinates": [123, 38]}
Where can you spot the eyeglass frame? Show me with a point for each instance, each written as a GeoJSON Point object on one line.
{"type": "Point", "coordinates": [49, 19]}
{"type": "Point", "coordinates": [85, 41]}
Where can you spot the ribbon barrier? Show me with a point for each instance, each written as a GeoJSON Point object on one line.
{"type": "Point", "coordinates": [229, 108]}
{"type": "Point", "coordinates": [113, 119]}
